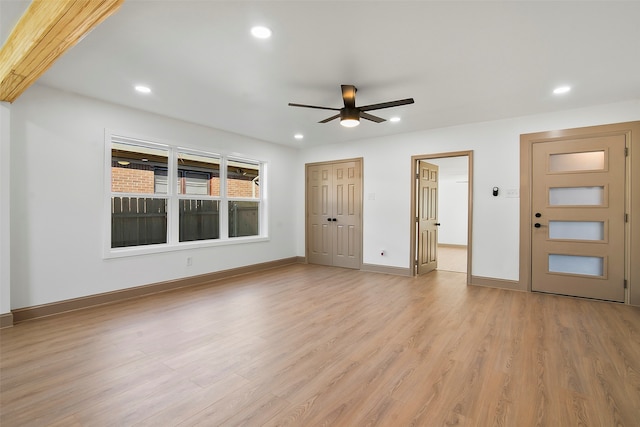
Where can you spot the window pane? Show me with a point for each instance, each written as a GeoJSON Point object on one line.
{"type": "Point", "coordinates": [243, 179]}
{"type": "Point", "coordinates": [575, 264]}
{"type": "Point", "coordinates": [196, 183]}
{"type": "Point", "coordinates": [199, 219]}
{"type": "Point", "coordinates": [133, 168]}
{"type": "Point", "coordinates": [243, 219]}
{"type": "Point", "coordinates": [574, 162]}
{"type": "Point", "coordinates": [198, 174]}
{"type": "Point", "coordinates": [138, 221]}
{"type": "Point", "coordinates": [576, 230]}
{"type": "Point", "coordinates": [576, 196]}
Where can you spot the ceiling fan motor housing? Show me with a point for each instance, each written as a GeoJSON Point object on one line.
{"type": "Point", "coordinates": [349, 114]}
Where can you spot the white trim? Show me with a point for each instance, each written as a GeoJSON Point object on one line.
{"type": "Point", "coordinates": [172, 200]}
{"type": "Point", "coordinates": [224, 201]}
{"type": "Point", "coordinates": [155, 249]}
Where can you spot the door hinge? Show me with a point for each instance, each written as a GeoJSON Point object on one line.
{"type": "Point", "coordinates": [626, 151]}
{"type": "Point", "coordinates": [625, 283]}
{"type": "Point", "coordinates": [417, 219]}
{"type": "Point", "coordinates": [417, 175]}
{"type": "Point", "coordinates": [626, 217]}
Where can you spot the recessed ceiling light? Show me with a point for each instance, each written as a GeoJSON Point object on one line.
{"type": "Point", "coordinates": [143, 89]}
{"type": "Point", "coordinates": [394, 119]}
{"type": "Point", "coordinates": [260, 32]}
{"type": "Point", "coordinates": [561, 89]}
{"type": "Point", "coordinates": [298, 136]}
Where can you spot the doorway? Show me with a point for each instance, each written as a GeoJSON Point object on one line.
{"type": "Point", "coordinates": [441, 225]}
{"type": "Point", "coordinates": [576, 212]}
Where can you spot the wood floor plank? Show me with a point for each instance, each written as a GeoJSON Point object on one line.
{"type": "Point", "coordinates": [306, 345]}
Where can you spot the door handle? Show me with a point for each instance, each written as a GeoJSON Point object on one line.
{"type": "Point", "coordinates": [438, 224]}
{"type": "Point", "coordinates": [334, 219]}
{"type": "Point", "coordinates": [537, 225]}
{"type": "Point", "coordinates": [329, 219]}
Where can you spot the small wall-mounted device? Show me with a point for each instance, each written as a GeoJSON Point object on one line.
{"type": "Point", "coordinates": [495, 191]}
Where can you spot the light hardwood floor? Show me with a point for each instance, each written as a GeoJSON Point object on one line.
{"type": "Point", "coordinates": [452, 258]}
{"type": "Point", "coordinates": [307, 345]}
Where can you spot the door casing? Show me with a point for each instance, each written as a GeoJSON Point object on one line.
{"type": "Point", "coordinates": [631, 130]}
{"type": "Point", "coordinates": [414, 171]}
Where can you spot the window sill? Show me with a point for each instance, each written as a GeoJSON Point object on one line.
{"type": "Point", "coordinates": [155, 249]}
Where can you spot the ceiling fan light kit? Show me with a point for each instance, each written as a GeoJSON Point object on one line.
{"type": "Point", "coordinates": [350, 115]}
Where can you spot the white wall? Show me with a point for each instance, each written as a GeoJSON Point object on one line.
{"type": "Point", "coordinates": [453, 199]}
{"type": "Point", "coordinates": [5, 208]}
{"type": "Point", "coordinates": [387, 166]}
{"type": "Point", "coordinates": [57, 161]}
{"type": "Point", "coordinates": [57, 220]}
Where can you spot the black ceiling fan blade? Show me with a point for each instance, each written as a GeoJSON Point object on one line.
{"type": "Point", "coordinates": [349, 95]}
{"type": "Point", "coordinates": [313, 106]}
{"type": "Point", "coordinates": [386, 104]}
{"type": "Point", "coordinates": [371, 117]}
{"type": "Point", "coordinates": [328, 119]}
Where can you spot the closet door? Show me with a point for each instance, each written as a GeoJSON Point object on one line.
{"type": "Point", "coordinates": [347, 206]}
{"type": "Point", "coordinates": [334, 214]}
{"type": "Point", "coordinates": [319, 214]}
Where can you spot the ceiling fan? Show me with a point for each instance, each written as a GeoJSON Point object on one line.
{"type": "Point", "coordinates": [350, 114]}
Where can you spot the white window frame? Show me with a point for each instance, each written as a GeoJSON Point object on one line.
{"type": "Point", "coordinates": [172, 197]}
{"type": "Point", "coordinates": [261, 169]}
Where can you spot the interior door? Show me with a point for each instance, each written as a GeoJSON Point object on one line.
{"type": "Point", "coordinates": [319, 214]}
{"type": "Point", "coordinates": [346, 214]}
{"type": "Point", "coordinates": [334, 206]}
{"type": "Point", "coordinates": [578, 217]}
{"type": "Point", "coordinates": [427, 217]}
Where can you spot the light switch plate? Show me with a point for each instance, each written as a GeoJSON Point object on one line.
{"type": "Point", "coordinates": [512, 193]}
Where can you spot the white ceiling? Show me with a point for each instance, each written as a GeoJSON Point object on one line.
{"type": "Point", "coordinates": [462, 62]}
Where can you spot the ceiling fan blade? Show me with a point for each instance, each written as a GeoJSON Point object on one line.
{"type": "Point", "coordinates": [371, 117]}
{"type": "Point", "coordinates": [313, 106]}
{"type": "Point", "coordinates": [386, 104]}
{"type": "Point", "coordinates": [328, 119]}
{"type": "Point", "coordinates": [349, 95]}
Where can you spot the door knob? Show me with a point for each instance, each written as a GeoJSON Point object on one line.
{"type": "Point", "coordinates": [438, 224]}
{"type": "Point", "coordinates": [537, 225]}
{"type": "Point", "coordinates": [334, 219]}
{"type": "Point", "coordinates": [329, 219]}
{"type": "Point", "coordinates": [538, 214]}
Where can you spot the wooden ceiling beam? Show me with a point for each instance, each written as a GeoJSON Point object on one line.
{"type": "Point", "coordinates": [44, 33]}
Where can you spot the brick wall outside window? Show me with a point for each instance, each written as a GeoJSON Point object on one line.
{"type": "Point", "coordinates": [132, 179]}
{"type": "Point", "coordinates": [240, 188]}
{"type": "Point", "coordinates": [140, 179]}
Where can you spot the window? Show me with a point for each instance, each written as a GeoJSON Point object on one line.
{"type": "Point", "coordinates": [198, 196]}
{"type": "Point", "coordinates": [147, 211]}
{"type": "Point", "coordinates": [243, 192]}
{"type": "Point", "coordinates": [138, 204]}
